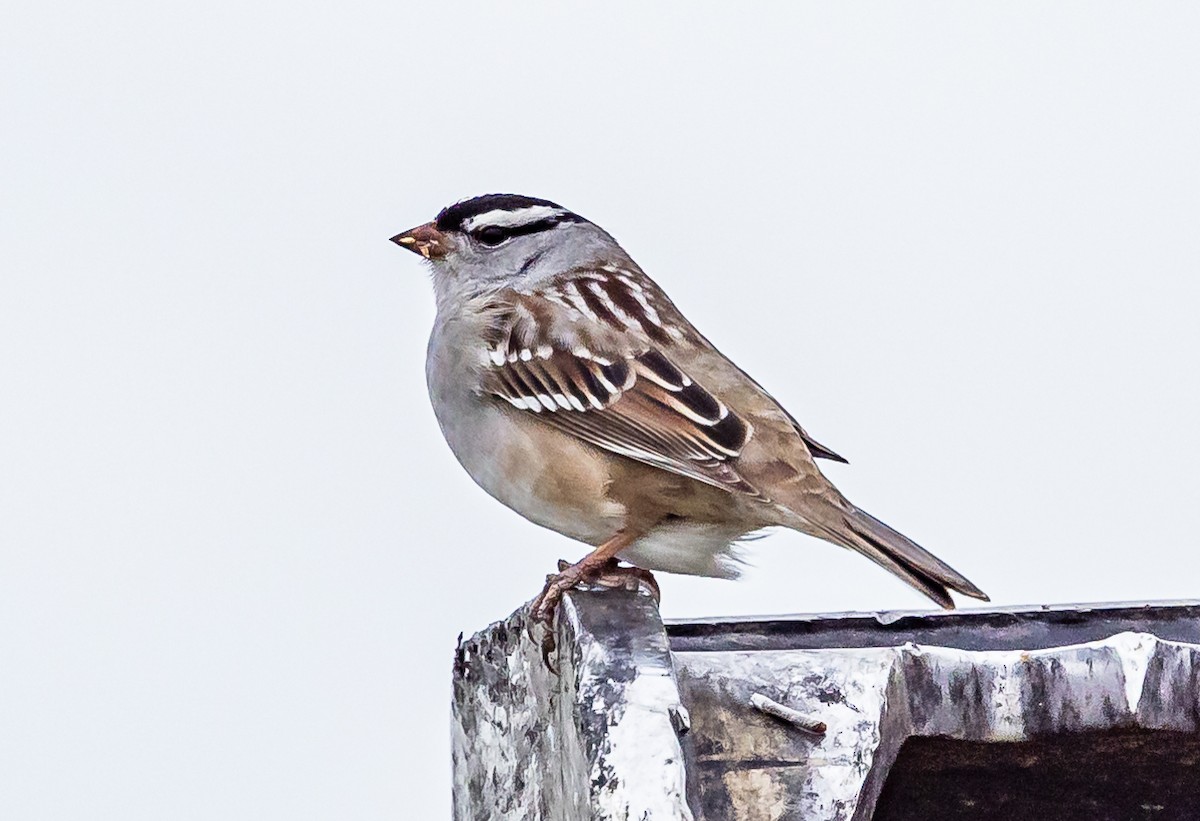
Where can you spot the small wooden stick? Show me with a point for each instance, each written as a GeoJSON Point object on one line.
{"type": "Point", "coordinates": [793, 717]}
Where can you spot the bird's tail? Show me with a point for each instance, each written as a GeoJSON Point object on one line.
{"type": "Point", "coordinates": [902, 556]}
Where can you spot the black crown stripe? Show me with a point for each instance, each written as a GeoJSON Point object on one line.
{"type": "Point", "coordinates": [453, 217]}
{"type": "Point", "coordinates": [527, 228]}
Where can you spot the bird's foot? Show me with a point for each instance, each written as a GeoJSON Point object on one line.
{"type": "Point", "coordinates": [616, 576]}
{"type": "Point", "coordinates": [605, 573]}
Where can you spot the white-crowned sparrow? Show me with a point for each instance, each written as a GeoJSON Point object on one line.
{"type": "Point", "coordinates": [572, 390]}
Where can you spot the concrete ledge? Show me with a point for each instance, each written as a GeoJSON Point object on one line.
{"type": "Point", "coordinates": [973, 714]}
{"type": "Point", "coordinates": [600, 740]}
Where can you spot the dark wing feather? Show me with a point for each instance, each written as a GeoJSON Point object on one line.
{"type": "Point", "coordinates": [818, 450]}
{"type": "Point", "coordinates": [614, 389]}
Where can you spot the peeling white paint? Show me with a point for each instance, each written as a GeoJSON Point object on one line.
{"type": "Point", "coordinates": [1134, 651]}
{"type": "Point", "coordinates": [644, 747]}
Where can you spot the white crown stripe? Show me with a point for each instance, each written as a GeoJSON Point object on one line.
{"type": "Point", "coordinates": [501, 218]}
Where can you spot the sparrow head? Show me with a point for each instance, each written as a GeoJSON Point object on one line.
{"type": "Point", "coordinates": [502, 240]}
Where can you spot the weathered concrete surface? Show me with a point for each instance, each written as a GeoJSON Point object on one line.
{"type": "Point", "coordinates": [1075, 712]}
{"type": "Point", "coordinates": [599, 741]}
{"type": "Point", "coordinates": [748, 766]}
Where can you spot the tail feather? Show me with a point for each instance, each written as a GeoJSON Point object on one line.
{"type": "Point", "coordinates": [905, 558]}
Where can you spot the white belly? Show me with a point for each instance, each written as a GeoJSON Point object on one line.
{"type": "Point", "coordinates": [691, 548]}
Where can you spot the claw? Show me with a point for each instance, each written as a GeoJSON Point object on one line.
{"type": "Point", "coordinates": [546, 605]}
{"type": "Point", "coordinates": [600, 566]}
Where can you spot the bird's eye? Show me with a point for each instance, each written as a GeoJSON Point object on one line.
{"type": "Point", "coordinates": [492, 235]}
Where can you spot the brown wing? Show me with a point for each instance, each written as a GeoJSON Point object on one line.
{"type": "Point", "coordinates": [597, 355]}
{"type": "Point", "coordinates": [561, 354]}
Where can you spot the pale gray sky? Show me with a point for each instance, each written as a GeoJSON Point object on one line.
{"type": "Point", "coordinates": [960, 242]}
